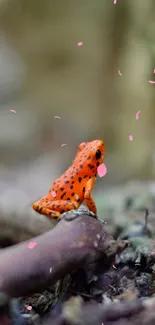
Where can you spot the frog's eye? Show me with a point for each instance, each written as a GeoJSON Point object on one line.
{"type": "Point", "coordinates": [98, 154]}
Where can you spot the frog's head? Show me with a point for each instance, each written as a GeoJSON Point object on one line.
{"type": "Point", "coordinates": [91, 154]}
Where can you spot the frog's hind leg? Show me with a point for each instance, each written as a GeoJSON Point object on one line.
{"type": "Point", "coordinates": [54, 209]}
{"type": "Point", "coordinates": [51, 213]}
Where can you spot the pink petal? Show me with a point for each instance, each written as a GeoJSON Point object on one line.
{"type": "Point", "coordinates": [12, 110]}
{"type": "Point", "coordinates": [53, 193]}
{"type": "Point", "coordinates": [51, 270]}
{"type": "Point", "coordinates": [120, 73]}
{"type": "Point", "coordinates": [76, 196]}
{"type": "Point", "coordinates": [151, 82]}
{"type": "Point", "coordinates": [29, 307]}
{"type": "Point", "coordinates": [63, 144]}
{"type": "Point", "coordinates": [130, 137]}
{"type": "Point", "coordinates": [80, 43]}
{"type": "Point", "coordinates": [114, 267]}
{"type": "Point", "coordinates": [32, 245]}
{"type": "Point", "coordinates": [154, 71]}
{"type": "Point", "coordinates": [102, 170]}
{"type": "Point", "coordinates": [137, 115]}
{"type": "Point", "coordinates": [115, 1]}
{"type": "Point", "coordinates": [57, 117]}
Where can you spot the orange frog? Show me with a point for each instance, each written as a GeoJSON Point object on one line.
{"type": "Point", "coordinates": [75, 185]}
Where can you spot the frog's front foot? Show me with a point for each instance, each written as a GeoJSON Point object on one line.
{"type": "Point", "coordinates": [82, 210]}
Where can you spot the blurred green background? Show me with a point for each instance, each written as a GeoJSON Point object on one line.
{"type": "Point", "coordinates": [44, 73]}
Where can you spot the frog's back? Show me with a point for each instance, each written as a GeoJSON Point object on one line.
{"type": "Point", "coordinates": [71, 185]}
